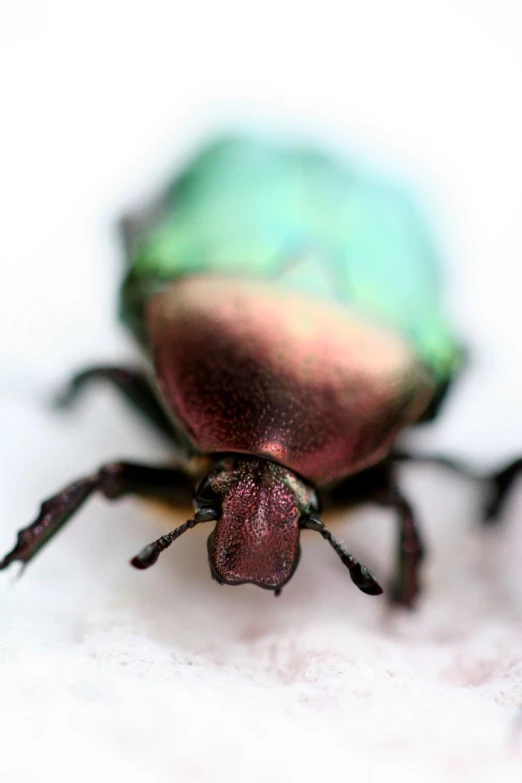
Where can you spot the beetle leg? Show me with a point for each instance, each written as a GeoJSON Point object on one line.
{"type": "Point", "coordinates": [410, 554]}
{"type": "Point", "coordinates": [135, 387]}
{"type": "Point", "coordinates": [501, 486]}
{"type": "Point", "coordinates": [378, 485]}
{"type": "Point", "coordinates": [114, 480]}
{"type": "Point", "coordinates": [437, 459]}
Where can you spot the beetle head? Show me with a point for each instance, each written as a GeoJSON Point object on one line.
{"type": "Point", "coordinates": [260, 508]}
{"type": "Point", "coordinates": [259, 505]}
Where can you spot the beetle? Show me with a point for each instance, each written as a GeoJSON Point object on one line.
{"type": "Point", "coordinates": [289, 306]}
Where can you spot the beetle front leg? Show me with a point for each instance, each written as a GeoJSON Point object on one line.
{"type": "Point", "coordinates": [113, 481]}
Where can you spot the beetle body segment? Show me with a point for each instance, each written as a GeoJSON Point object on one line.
{"type": "Point", "coordinates": [253, 367]}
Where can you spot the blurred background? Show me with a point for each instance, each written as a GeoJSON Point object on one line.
{"type": "Point", "coordinates": [101, 101]}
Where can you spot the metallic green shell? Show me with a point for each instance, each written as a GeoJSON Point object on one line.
{"type": "Point", "coordinates": [293, 215]}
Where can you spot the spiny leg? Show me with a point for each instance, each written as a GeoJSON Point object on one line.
{"type": "Point", "coordinates": [113, 481]}
{"type": "Point", "coordinates": [378, 485]}
{"type": "Point", "coordinates": [135, 387]}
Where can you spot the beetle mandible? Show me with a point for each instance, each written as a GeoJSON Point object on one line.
{"type": "Point", "coordinates": [290, 307]}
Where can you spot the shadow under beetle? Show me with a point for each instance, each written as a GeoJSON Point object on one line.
{"type": "Point", "coordinates": [290, 307]}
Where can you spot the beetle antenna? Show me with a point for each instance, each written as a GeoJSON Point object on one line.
{"type": "Point", "coordinates": [361, 576]}
{"type": "Point", "coordinates": [149, 555]}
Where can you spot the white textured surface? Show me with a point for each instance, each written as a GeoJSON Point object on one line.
{"type": "Point", "coordinates": [108, 673]}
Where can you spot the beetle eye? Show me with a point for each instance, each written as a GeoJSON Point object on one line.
{"type": "Point", "coordinates": [205, 495]}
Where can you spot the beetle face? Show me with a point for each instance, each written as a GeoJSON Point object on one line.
{"type": "Point", "coordinates": [256, 538]}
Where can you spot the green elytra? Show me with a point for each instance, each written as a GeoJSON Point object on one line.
{"type": "Point", "coordinates": [252, 208]}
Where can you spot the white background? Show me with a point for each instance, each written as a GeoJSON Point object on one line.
{"type": "Point", "coordinates": [106, 672]}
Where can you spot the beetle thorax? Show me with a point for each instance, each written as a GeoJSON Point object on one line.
{"type": "Point", "coordinates": [250, 368]}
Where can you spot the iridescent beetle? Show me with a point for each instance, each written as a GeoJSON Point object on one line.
{"type": "Point", "coordinates": [290, 306]}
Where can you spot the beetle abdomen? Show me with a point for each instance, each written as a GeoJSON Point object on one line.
{"type": "Point", "coordinates": [256, 368]}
